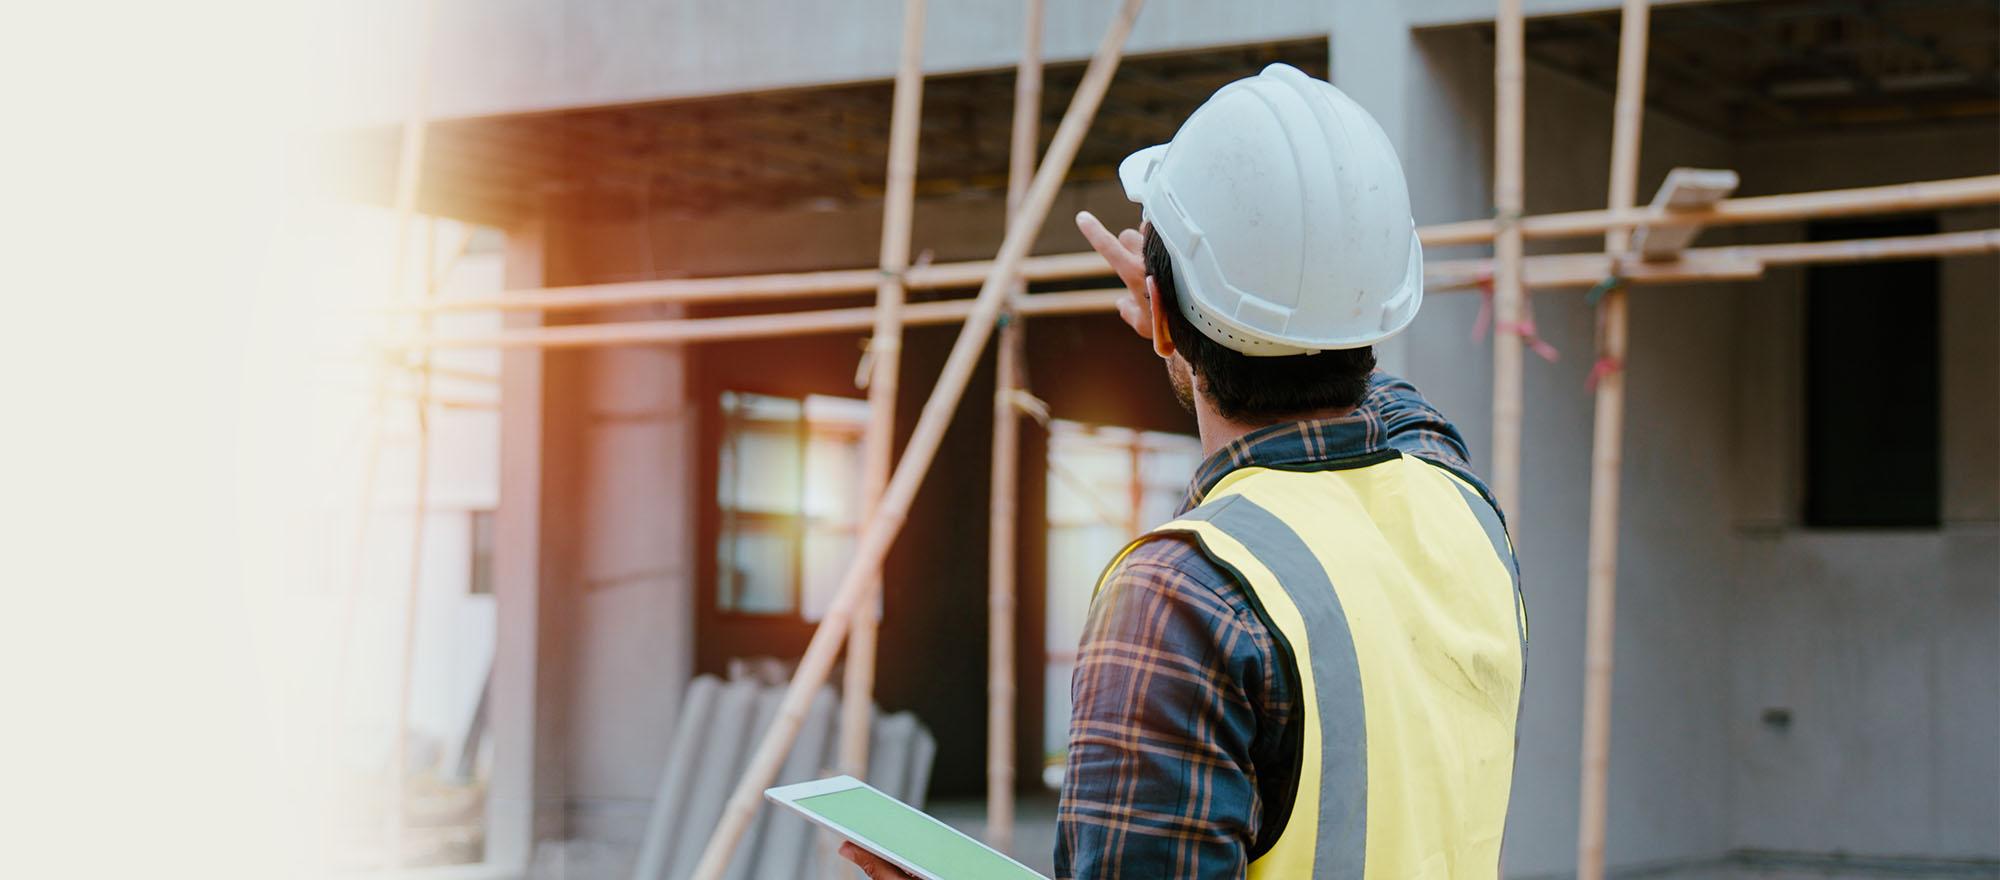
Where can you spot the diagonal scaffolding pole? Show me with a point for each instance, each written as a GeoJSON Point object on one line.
{"type": "Point", "coordinates": [1508, 186]}
{"type": "Point", "coordinates": [857, 585]}
{"type": "Point", "coordinates": [1607, 450]}
{"type": "Point", "coordinates": [1008, 386]}
{"type": "Point", "coordinates": [885, 354]}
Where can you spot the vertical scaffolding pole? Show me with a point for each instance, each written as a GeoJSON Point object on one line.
{"type": "Point", "coordinates": [409, 182]}
{"type": "Point", "coordinates": [413, 591]}
{"type": "Point", "coordinates": [1508, 174]}
{"type": "Point", "coordinates": [1607, 450]}
{"type": "Point", "coordinates": [857, 586]}
{"type": "Point", "coordinates": [1008, 383]}
{"type": "Point", "coordinates": [885, 350]}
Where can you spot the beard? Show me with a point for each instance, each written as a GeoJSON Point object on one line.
{"type": "Point", "coordinates": [1182, 380]}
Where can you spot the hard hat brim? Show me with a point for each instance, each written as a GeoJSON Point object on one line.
{"type": "Point", "coordinates": [1137, 170]}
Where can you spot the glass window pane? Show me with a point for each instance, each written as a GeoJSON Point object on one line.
{"type": "Point", "coordinates": [833, 484]}
{"type": "Point", "coordinates": [827, 555]}
{"type": "Point", "coordinates": [765, 474]}
{"type": "Point", "coordinates": [757, 568]}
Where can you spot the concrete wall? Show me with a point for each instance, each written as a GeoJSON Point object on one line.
{"type": "Point", "coordinates": [1669, 770]}
{"type": "Point", "coordinates": [1883, 645]}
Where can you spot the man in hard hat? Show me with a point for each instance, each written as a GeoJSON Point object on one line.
{"type": "Point", "coordinates": [1315, 670]}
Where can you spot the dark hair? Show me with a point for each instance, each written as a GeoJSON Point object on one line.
{"type": "Point", "coordinates": [1257, 389]}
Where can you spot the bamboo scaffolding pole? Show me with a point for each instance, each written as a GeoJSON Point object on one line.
{"type": "Point", "coordinates": [856, 586]}
{"type": "Point", "coordinates": [1894, 198]}
{"type": "Point", "coordinates": [885, 353]}
{"type": "Point", "coordinates": [1730, 263]}
{"type": "Point", "coordinates": [1552, 271]}
{"type": "Point", "coordinates": [1008, 384]}
{"type": "Point", "coordinates": [756, 288]}
{"type": "Point", "coordinates": [1508, 173]}
{"type": "Point", "coordinates": [1557, 271]}
{"type": "Point", "coordinates": [1607, 449]}
{"type": "Point", "coordinates": [409, 183]}
{"type": "Point", "coordinates": [413, 592]}
{"type": "Point", "coordinates": [1745, 211]}
{"type": "Point", "coordinates": [1902, 247]}
{"type": "Point", "coordinates": [685, 330]}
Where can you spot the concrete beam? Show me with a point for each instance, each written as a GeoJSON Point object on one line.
{"type": "Point", "coordinates": [497, 57]}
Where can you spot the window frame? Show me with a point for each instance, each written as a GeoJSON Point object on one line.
{"type": "Point", "coordinates": [798, 527]}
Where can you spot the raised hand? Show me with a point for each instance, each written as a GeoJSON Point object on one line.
{"type": "Point", "coordinates": [1125, 252]}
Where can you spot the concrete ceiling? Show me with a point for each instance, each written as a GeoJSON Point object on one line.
{"type": "Point", "coordinates": [1769, 67]}
{"type": "Point", "coordinates": [791, 149]}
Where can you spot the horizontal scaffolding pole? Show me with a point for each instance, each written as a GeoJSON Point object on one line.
{"type": "Point", "coordinates": [1902, 247]}
{"type": "Point", "coordinates": [1731, 263]}
{"type": "Point", "coordinates": [679, 330]}
{"type": "Point", "coordinates": [1895, 198]}
{"type": "Point", "coordinates": [1555, 271]}
{"type": "Point", "coordinates": [751, 288]}
{"type": "Point", "coordinates": [1929, 195]}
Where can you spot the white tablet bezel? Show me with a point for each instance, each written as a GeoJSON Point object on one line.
{"type": "Point", "coordinates": [789, 795]}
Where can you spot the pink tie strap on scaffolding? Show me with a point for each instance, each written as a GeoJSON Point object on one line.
{"type": "Point", "coordinates": [1605, 364]}
{"type": "Point", "coordinates": [1524, 328]}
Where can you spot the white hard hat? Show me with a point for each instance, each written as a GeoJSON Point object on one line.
{"type": "Point", "coordinates": [1287, 216]}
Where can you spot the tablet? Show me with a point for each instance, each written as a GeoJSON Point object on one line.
{"type": "Point", "coordinates": [896, 831]}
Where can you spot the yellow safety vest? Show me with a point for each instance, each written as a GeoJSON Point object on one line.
{"type": "Point", "coordinates": [1390, 584]}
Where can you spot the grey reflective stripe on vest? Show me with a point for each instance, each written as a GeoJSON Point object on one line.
{"type": "Point", "coordinates": [1341, 841]}
{"type": "Point", "coordinates": [1489, 519]}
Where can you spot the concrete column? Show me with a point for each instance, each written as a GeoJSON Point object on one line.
{"type": "Point", "coordinates": [510, 805]}
{"type": "Point", "coordinates": [1370, 59]}
{"type": "Point", "coordinates": [1432, 93]}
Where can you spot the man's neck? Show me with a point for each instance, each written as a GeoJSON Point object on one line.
{"type": "Point", "coordinates": [1217, 432]}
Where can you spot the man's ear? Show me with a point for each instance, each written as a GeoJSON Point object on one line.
{"type": "Point", "coordinates": [1163, 342]}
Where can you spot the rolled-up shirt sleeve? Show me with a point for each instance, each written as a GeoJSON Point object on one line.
{"type": "Point", "coordinates": [1160, 779]}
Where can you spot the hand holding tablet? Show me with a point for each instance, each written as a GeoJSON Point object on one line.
{"type": "Point", "coordinates": [873, 866]}
{"type": "Point", "coordinates": [897, 833]}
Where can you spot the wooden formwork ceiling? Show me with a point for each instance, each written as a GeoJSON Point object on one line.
{"type": "Point", "coordinates": [1755, 68]}
{"type": "Point", "coordinates": [797, 149]}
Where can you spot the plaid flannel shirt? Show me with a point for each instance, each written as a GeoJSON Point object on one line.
{"type": "Point", "coordinates": [1177, 743]}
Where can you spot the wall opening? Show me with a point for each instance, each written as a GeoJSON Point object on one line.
{"type": "Point", "coordinates": [1872, 386]}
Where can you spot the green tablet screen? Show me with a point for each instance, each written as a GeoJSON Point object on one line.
{"type": "Point", "coordinates": [913, 836]}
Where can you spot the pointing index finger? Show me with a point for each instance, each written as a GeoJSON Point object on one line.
{"type": "Point", "coordinates": [1124, 260]}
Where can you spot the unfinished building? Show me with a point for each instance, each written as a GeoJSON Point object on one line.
{"type": "Point", "coordinates": [1808, 611]}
